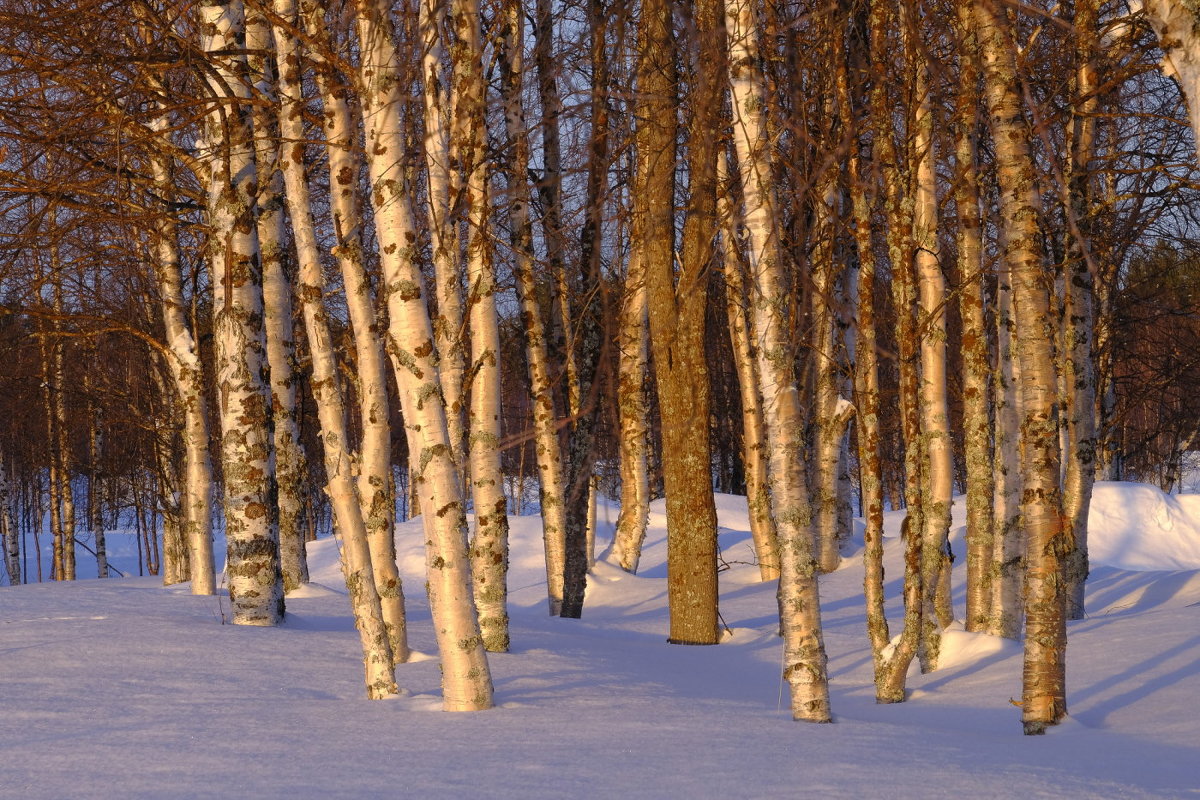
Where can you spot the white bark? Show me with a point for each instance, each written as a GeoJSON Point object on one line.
{"type": "Point", "coordinates": [547, 446]}
{"type": "Point", "coordinates": [375, 489]}
{"type": "Point", "coordinates": [489, 545]}
{"type": "Point", "coordinates": [247, 458]}
{"type": "Point", "coordinates": [633, 418]}
{"type": "Point", "coordinates": [10, 536]}
{"type": "Point", "coordinates": [466, 679]}
{"type": "Point", "coordinates": [754, 437]}
{"type": "Point", "coordinates": [799, 604]}
{"type": "Point", "coordinates": [378, 658]}
{"type": "Point", "coordinates": [445, 186]}
{"type": "Point", "coordinates": [188, 376]}
{"type": "Point", "coordinates": [290, 466]}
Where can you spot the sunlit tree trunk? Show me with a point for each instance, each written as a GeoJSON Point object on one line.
{"type": "Point", "coordinates": [274, 249]}
{"type": "Point", "coordinates": [891, 672]}
{"type": "Point", "coordinates": [632, 414]}
{"type": "Point", "coordinates": [376, 638]}
{"type": "Point", "coordinates": [445, 188]}
{"type": "Point", "coordinates": [676, 303]}
{"type": "Point", "coordinates": [754, 437]}
{"type": "Point", "coordinates": [931, 331]}
{"type": "Point", "coordinates": [187, 373]}
{"type": "Point", "coordinates": [247, 459]}
{"type": "Point", "coordinates": [976, 367]}
{"type": "Point", "coordinates": [1079, 312]}
{"type": "Point", "coordinates": [376, 493]}
{"type": "Point", "coordinates": [831, 412]}
{"type": "Point", "coordinates": [547, 450]}
{"type": "Point", "coordinates": [489, 546]}
{"type": "Point", "coordinates": [10, 533]}
{"type": "Point", "coordinates": [1044, 676]}
{"type": "Point", "coordinates": [804, 661]}
{"type": "Point", "coordinates": [466, 679]}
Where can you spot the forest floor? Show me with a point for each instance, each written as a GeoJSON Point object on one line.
{"type": "Point", "coordinates": [124, 688]}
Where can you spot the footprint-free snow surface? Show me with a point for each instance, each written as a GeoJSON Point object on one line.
{"type": "Point", "coordinates": [124, 689]}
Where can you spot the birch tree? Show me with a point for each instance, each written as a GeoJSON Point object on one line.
{"type": "Point", "coordinates": [274, 247]}
{"type": "Point", "coordinates": [547, 450]}
{"type": "Point", "coordinates": [247, 458]}
{"type": "Point", "coordinates": [1044, 675]}
{"type": "Point", "coordinates": [466, 679]}
{"type": "Point", "coordinates": [489, 546]}
{"type": "Point", "coordinates": [376, 494]}
{"type": "Point", "coordinates": [800, 621]}
{"type": "Point", "coordinates": [376, 637]}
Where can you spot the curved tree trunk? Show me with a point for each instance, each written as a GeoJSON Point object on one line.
{"type": "Point", "coordinates": [375, 636]}
{"type": "Point", "coordinates": [466, 679]}
{"type": "Point", "coordinates": [376, 494]}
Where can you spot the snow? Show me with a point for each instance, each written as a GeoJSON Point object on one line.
{"type": "Point", "coordinates": [123, 688]}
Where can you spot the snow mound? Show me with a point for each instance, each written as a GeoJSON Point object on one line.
{"type": "Point", "coordinates": [1135, 526]}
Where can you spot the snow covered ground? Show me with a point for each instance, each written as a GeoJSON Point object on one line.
{"type": "Point", "coordinates": [126, 689]}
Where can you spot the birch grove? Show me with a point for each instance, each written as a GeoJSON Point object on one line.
{"type": "Point", "coordinates": [816, 256]}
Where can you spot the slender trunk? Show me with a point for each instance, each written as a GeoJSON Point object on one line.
{"type": "Point", "coordinates": [376, 492]}
{"type": "Point", "coordinates": [1005, 568]}
{"type": "Point", "coordinates": [8, 527]}
{"type": "Point", "coordinates": [804, 661]}
{"type": "Point", "coordinates": [274, 247]}
{"type": "Point", "coordinates": [1080, 373]}
{"type": "Point", "coordinates": [1044, 676]}
{"type": "Point", "coordinates": [442, 130]}
{"type": "Point", "coordinates": [931, 331]}
{"type": "Point", "coordinates": [754, 437]}
{"type": "Point", "coordinates": [466, 679]}
{"type": "Point", "coordinates": [247, 458]}
{"type": "Point", "coordinates": [489, 546]}
{"type": "Point", "coordinates": [376, 638]}
{"type": "Point", "coordinates": [632, 414]}
{"type": "Point", "coordinates": [891, 673]}
{"type": "Point", "coordinates": [976, 368]}
{"type": "Point", "coordinates": [831, 413]}
{"type": "Point", "coordinates": [547, 448]}
{"type": "Point", "coordinates": [188, 376]}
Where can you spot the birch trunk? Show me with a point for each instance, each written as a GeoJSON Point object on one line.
{"type": "Point", "coordinates": [489, 546]}
{"type": "Point", "coordinates": [445, 188]}
{"type": "Point", "coordinates": [633, 414]}
{"type": "Point", "coordinates": [976, 367]}
{"type": "Point", "coordinates": [754, 437]}
{"type": "Point", "coordinates": [891, 673]}
{"type": "Point", "coordinates": [466, 679]}
{"type": "Point", "coordinates": [188, 376]}
{"type": "Point", "coordinates": [546, 441]}
{"type": "Point", "coordinates": [1008, 542]}
{"type": "Point", "coordinates": [931, 330]}
{"type": "Point", "coordinates": [376, 637]}
{"type": "Point", "coordinates": [8, 528]}
{"type": "Point", "coordinates": [290, 467]}
{"type": "Point", "coordinates": [1080, 372]}
{"type": "Point", "coordinates": [804, 661]}
{"type": "Point", "coordinates": [376, 492]}
{"type": "Point", "coordinates": [62, 444]}
{"type": "Point", "coordinates": [247, 459]}
{"type": "Point", "coordinates": [831, 414]}
{"type": "Point", "coordinates": [1044, 675]}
